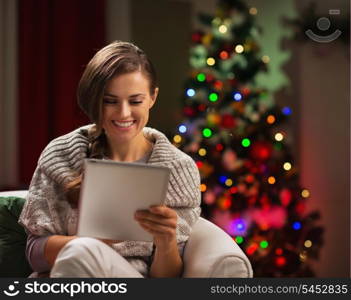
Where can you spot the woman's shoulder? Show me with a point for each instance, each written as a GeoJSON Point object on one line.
{"type": "Point", "coordinates": [67, 146]}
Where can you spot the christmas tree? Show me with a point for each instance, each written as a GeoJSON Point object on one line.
{"type": "Point", "coordinates": [250, 183]}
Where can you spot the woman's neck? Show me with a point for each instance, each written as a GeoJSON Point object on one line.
{"type": "Point", "coordinates": [130, 152]}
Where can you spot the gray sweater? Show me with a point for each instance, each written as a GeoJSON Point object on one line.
{"type": "Point", "coordinates": [46, 212]}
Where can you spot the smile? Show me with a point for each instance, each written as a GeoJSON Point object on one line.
{"type": "Point", "coordinates": [123, 124]}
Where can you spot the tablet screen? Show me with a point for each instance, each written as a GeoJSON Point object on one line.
{"type": "Point", "coordinates": [112, 192]}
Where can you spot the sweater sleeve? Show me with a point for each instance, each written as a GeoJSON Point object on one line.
{"type": "Point", "coordinates": [43, 212]}
{"type": "Point", "coordinates": [35, 253]}
{"type": "Point", "coordinates": [184, 195]}
{"type": "Point", "coordinates": [46, 210]}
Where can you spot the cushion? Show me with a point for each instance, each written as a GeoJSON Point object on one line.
{"type": "Point", "coordinates": [13, 238]}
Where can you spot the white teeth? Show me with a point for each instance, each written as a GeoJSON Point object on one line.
{"type": "Point", "coordinates": [124, 124]}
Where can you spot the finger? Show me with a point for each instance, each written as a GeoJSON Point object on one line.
{"type": "Point", "coordinates": [158, 228]}
{"type": "Point", "coordinates": [150, 230]}
{"type": "Point", "coordinates": [141, 215]}
{"type": "Point", "coordinates": [163, 211]}
{"type": "Point", "coordinates": [163, 222]}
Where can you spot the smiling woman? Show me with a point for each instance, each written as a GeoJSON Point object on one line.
{"type": "Point", "coordinates": [126, 114]}
{"type": "Point", "coordinates": [117, 90]}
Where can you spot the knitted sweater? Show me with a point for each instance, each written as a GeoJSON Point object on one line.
{"type": "Point", "coordinates": [47, 212]}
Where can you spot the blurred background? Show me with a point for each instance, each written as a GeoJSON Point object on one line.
{"type": "Point", "coordinates": [45, 44]}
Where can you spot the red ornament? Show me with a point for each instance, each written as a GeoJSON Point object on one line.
{"type": "Point", "coordinates": [250, 178]}
{"type": "Point", "coordinates": [223, 55]}
{"type": "Point", "coordinates": [227, 203]}
{"type": "Point", "coordinates": [280, 261]}
{"type": "Point", "coordinates": [218, 84]}
{"type": "Point", "coordinates": [227, 121]}
{"type": "Point", "coordinates": [245, 92]}
{"type": "Point", "coordinates": [196, 37]}
{"type": "Point", "coordinates": [199, 164]}
{"type": "Point", "coordinates": [233, 190]}
{"type": "Point", "coordinates": [219, 147]}
{"type": "Point", "coordinates": [279, 251]}
{"type": "Point", "coordinates": [188, 111]}
{"type": "Point", "coordinates": [252, 249]}
{"type": "Point", "coordinates": [261, 150]}
{"type": "Point", "coordinates": [209, 78]}
{"type": "Point", "coordinates": [285, 197]}
{"type": "Point", "coordinates": [201, 107]}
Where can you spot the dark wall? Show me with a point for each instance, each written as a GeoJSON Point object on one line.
{"type": "Point", "coordinates": [163, 31]}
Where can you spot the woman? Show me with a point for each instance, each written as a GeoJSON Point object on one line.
{"type": "Point", "coordinates": [116, 91]}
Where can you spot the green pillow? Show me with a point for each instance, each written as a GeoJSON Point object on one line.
{"type": "Point", "coordinates": [13, 238]}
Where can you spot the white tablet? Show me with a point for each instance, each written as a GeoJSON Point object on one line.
{"type": "Point", "coordinates": [111, 192]}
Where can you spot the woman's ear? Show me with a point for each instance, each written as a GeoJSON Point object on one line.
{"type": "Point", "coordinates": [154, 97]}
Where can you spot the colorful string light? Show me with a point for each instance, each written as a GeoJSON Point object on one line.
{"type": "Point", "coordinates": [201, 77]}
{"type": "Point", "coordinates": [182, 128]}
{"type": "Point", "coordinates": [266, 59]}
{"type": "Point", "coordinates": [253, 11]}
{"type": "Point", "coordinates": [239, 239]}
{"type": "Point", "coordinates": [264, 244]}
{"type": "Point", "coordinates": [237, 96]}
{"type": "Point", "coordinates": [228, 182]}
{"type": "Point", "coordinates": [213, 97]}
{"type": "Point", "coordinates": [246, 142]}
{"type": "Point", "coordinates": [239, 49]}
{"type": "Point", "coordinates": [223, 54]}
{"type": "Point", "coordinates": [177, 138]}
{"type": "Point", "coordinates": [223, 179]}
{"type": "Point", "coordinates": [252, 249]}
{"type": "Point", "coordinates": [280, 261]}
{"type": "Point", "coordinates": [207, 132]}
{"type": "Point", "coordinates": [270, 119]}
{"type": "Point", "coordinates": [279, 137]}
{"type": "Point", "coordinates": [286, 111]}
{"type": "Point", "coordinates": [297, 225]}
{"type": "Point", "coordinates": [271, 180]}
{"type": "Point", "coordinates": [222, 29]}
{"type": "Point", "coordinates": [202, 152]}
{"type": "Point", "coordinates": [287, 166]}
{"type": "Point", "coordinates": [308, 244]}
{"type": "Point", "coordinates": [190, 92]}
{"type": "Point", "coordinates": [211, 61]}
{"type": "Point", "coordinates": [305, 193]}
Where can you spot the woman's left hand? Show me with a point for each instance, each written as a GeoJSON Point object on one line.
{"type": "Point", "coordinates": [161, 222]}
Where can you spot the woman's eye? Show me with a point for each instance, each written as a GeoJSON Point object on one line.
{"type": "Point", "coordinates": [107, 101]}
{"type": "Point", "coordinates": [111, 101]}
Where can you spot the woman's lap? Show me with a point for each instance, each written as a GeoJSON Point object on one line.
{"type": "Point", "coordinates": [88, 257]}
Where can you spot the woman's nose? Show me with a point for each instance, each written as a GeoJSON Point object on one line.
{"type": "Point", "coordinates": [124, 111]}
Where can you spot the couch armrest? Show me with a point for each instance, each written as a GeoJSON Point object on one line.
{"type": "Point", "coordinates": [210, 252]}
{"type": "Point", "coordinates": [19, 193]}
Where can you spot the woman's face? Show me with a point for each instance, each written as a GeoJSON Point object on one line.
{"type": "Point", "coordinates": [126, 106]}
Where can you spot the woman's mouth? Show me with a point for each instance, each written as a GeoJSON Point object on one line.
{"type": "Point", "coordinates": [124, 124]}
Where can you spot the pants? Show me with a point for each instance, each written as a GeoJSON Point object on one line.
{"type": "Point", "coordinates": [91, 258]}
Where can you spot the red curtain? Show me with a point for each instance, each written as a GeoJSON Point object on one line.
{"type": "Point", "coordinates": [56, 40]}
